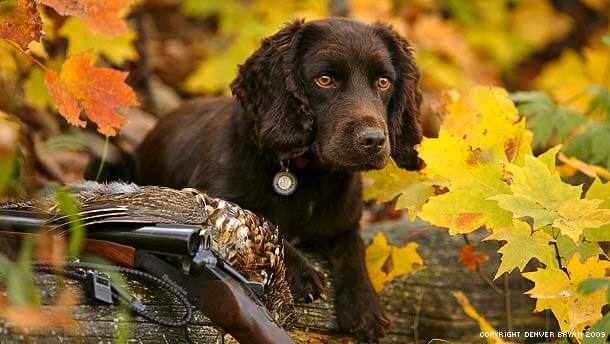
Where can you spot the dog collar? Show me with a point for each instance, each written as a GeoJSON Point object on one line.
{"type": "Point", "coordinates": [285, 182]}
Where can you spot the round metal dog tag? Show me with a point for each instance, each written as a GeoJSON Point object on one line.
{"type": "Point", "coordinates": [285, 183]}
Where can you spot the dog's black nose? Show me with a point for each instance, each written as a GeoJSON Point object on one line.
{"type": "Point", "coordinates": [371, 139]}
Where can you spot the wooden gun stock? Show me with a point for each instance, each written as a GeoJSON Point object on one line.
{"type": "Point", "coordinates": [118, 254]}
{"type": "Point", "coordinates": [224, 301]}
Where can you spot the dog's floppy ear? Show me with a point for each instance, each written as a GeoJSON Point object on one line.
{"type": "Point", "coordinates": [269, 88]}
{"type": "Point", "coordinates": [403, 111]}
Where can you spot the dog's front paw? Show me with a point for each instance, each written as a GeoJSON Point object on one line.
{"type": "Point", "coordinates": [306, 282]}
{"type": "Point", "coordinates": [362, 314]}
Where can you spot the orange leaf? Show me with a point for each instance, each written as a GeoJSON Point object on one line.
{"type": "Point", "coordinates": [33, 319]}
{"type": "Point", "coordinates": [104, 17]}
{"type": "Point", "coordinates": [21, 24]}
{"type": "Point", "coordinates": [471, 259]}
{"type": "Point", "coordinates": [66, 7]}
{"type": "Point", "coordinates": [97, 91]}
{"type": "Point", "coordinates": [51, 249]}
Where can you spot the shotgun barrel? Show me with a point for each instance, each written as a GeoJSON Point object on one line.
{"type": "Point", "coordinates": [172, 239]}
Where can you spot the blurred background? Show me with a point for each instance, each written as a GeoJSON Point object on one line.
{"type": "Point", "coordinates": [176, 50]}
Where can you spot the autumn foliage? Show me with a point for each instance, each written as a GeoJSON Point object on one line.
{"type": "Point", "coordinates": [79, 86]}
{"type": "Point", "coordinates": [494, 181]}
{"type": "Point", "coordinates": [525, 162]}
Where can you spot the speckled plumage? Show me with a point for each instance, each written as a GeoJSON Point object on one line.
{"type": "Point", "coordinates": [252, 245]}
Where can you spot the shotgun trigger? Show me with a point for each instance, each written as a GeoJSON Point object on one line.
{"type": "Point", "coordinates": [206, 238]}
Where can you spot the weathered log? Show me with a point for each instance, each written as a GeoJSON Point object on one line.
{"type": "Point", "coordinates": [421, 304]}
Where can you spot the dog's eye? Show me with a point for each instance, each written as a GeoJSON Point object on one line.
{"type": "Point", "coordinates": [325, 81]}
{"type": "Point", "coordinates": [383, 83]}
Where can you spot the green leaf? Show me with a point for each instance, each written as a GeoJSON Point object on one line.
{"type": "Point", "coordinates": [600, 99]}
{"type": "Point", "coordinates": [19, 283]}
{"type": "Point", "coordinates": [601, 326]}
{"type": "Point", "coordinates": [591, 285]}
{"type": "Point", "coordinates": [69, 206]}
{"type": "Point", "coordinates": [521, 246]}
{"type": "Point", "coordinates": [568, 248]}
{"type": "Point", "coordinates": [545, 117]}
{"type": "Point", "coordinates": [537, 192]}
{"type": "Point", "coordinates": [601, 191]}
{"type": "Point", "coordinates": [606, 39]}
{"type": "Point", "coordinates": [591, 146]}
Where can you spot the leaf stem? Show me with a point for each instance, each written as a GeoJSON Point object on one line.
{"type": "Point", "coordinates": [482, 274]}
{"type": "Point", "coordinates": [28, 55]}
{"type": "Point", "coordinates": [558, 256]}
{"type": "Point", "coordinates": [104, 156]}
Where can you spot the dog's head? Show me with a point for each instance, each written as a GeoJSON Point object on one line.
{"type": "Point", "coordinates": [344, 90]}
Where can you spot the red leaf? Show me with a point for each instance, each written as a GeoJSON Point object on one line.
{"type": "Point", "coordinates": [66, 7]}
{"type": "Point", "coordinates": [97, 91]}
{"type": "Point", "coordinates": [104, 17]}
{"type": "Point", "coordinates": [471, 259]}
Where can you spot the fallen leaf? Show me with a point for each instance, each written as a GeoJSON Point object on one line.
{"type": "Point", "coordinates": [385, 262]}
{"type": "Point", "coordinates": [97, 91]}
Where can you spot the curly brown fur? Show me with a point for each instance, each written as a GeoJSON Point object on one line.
{"type": "Point", "coordinates": [231, 148]}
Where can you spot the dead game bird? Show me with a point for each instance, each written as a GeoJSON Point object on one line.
{"type": "Point", "coordinates": [252, 245]}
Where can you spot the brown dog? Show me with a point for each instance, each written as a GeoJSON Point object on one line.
{"type": "Point", "coordinates": [321, 101]}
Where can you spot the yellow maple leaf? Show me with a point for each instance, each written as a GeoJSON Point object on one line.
{"type": "Point", "coordinates": [521, 246]}
{"type": "Point", "coordinates": [385, 262]}
{"type": "Point", "coordinates": [576, 216]}
{"type": "Point", "coordinates": [384, 185]}
{"type": "Point", "coordinates": [472, 159]}
{"type": "Point", "coordinates": [539, 193]}
{"type": "Point", "coordinates": [556, 290]}
{"type": "Point", "coordinates": [601, 191]}
{"type": "Point", "coordinates": [117, 49]}
{"type": "Point", "coordinates": [536, 192]}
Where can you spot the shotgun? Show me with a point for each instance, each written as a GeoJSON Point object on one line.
{"type": "Point", "coordinates": [225, 296]}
